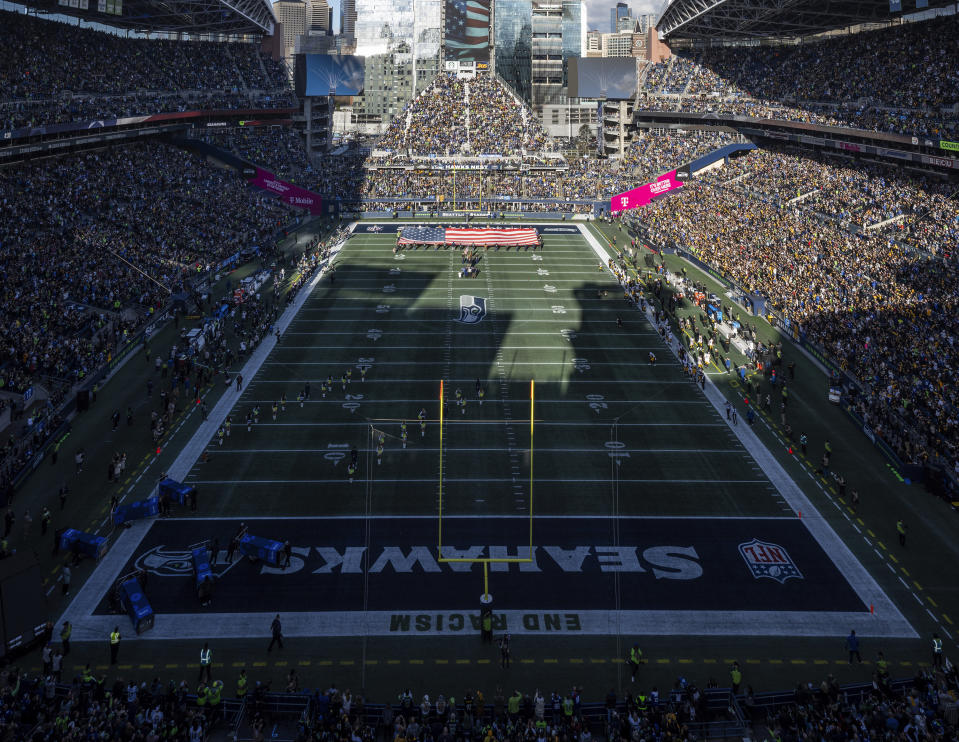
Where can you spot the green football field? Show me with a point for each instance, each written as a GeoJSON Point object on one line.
{"type": "Point", "coordinates": [595, 394]}
{"type": "Point", "coordinates": [650, 515]}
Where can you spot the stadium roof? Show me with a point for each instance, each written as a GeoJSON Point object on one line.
{"type": "Point", "coordinates": [756, 19]}
{"type": "Point", "coordinates": [197, 17]}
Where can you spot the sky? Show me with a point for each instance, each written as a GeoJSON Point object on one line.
{"type": "Point", "coordinates": [597, 11]}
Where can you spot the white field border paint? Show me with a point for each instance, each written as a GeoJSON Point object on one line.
{"type": "Point", "coordinates": [79, 611]}
{"type": "Point", "coordinates": [887, 623]}
{"type": "Point", "coordinates": [863, 583]}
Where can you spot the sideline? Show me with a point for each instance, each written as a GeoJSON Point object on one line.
{"type": "Point", "coordinates": [79, 612]}
{"type": "Point", "coordinates": [888, 620]}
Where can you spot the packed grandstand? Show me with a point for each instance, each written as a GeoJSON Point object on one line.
{"type": "Point", "coordinates": [859, 256]}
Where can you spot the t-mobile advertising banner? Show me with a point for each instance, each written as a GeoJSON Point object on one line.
{"type": "Point", "coordinates": [287, 192]}
{"type": "Point", "coordinates": [644, 194]}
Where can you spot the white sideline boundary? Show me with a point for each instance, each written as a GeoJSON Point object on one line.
{"type": "Point", "coordinates": [865, 586]}
{"type": "Point", "coordinates": [79, 611]}
{"type": "Point", "coordinates": [887, 622]}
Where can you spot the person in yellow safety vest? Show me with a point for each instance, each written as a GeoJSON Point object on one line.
{"type": "Point", "coordinates": [351, 470]}
{"type": "Point", "coordinates": [213, 694]}
{"type": "Point", "coordinates": [882, 665]}
{"type": "Point", "coordinates": [422, 428]}
{"type": "Point", "coordinates": [634, 660]}
{"type": "Point", "coordinates": [219, 435]}
{"type": "Point", "coordinates": [481, 394]}
{"type": "Point", "coordinates": [274, 410]}
{"type": "Point", "coordinates": [206, 663]}
{"type": "Point", "coordinates": [241, 683]}
{"type": "Point", "coordinates": [737, 677]}
{"type": "Point", "coordinates": [227, 425]}
{"type": "Point", "coordinates": [114, 644]}
{"type": "Point", "coordinates": [641, 703]}
{"type": "Point", "coordinates": [349, 376]}
{"type": "Point", "coordinates": [568, 708]}
{"type": "Point", "coordinates": [403, 437]}
{"type": "Point", "coordinates": [201, 694]}
{"type": "Point", "coordinates": [363, 370]}
{"type": "Point", "coordinates": [936, 652]}
{"type": "Point", "coordinates": [379, 453]}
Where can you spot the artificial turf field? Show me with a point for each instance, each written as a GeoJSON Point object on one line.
{"type": "Point", "coordinates": [648, 513]}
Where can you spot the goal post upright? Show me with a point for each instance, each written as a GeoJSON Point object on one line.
{"type": "Point", "coordinates": [486, 598]}
{"type": "Point", "coordinates": [439, 550]}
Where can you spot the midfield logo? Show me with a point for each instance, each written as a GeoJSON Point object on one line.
{"type": "Point", "coordinates": [769, 560]}
{"type": "Point", "coordinates": [472, 309]}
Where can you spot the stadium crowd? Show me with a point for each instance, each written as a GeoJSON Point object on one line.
{"type": "Point", "coordinates": [89, 706]}
{"type": "Point", "coordinates": [53, 72]}
{"type": "Point", "coordinates": [871, 301]}
{"type": "Point", "coordinates": [352, 177]}
{"type": "Point", "coordinates": [92, 245]}
{"type": "Point", "coordinates": [479, 117]}
{"type": "Point", "coordinates": [909, 87]}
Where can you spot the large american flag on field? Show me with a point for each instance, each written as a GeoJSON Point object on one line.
{"type": "Point", "coordinates": [422, 236]}
{"type": "Point", "coordinates": [468, 236]}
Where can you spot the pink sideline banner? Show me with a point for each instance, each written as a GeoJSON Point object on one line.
{"type": "Point", "coordinates": [644, 194]}
{"type": "Point", "coordinates": [288, 193]}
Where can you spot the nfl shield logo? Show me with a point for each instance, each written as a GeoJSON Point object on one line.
{"type": "Point", "coordinates": [472, 309]}
{"type": "Point", "coordinates": [769, 560]}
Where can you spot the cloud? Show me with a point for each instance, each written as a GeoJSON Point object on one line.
{"type": "Point", "coordinates": [597, 11]}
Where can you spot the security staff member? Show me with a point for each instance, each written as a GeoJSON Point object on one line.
{"type": "Point", "coordinates": [936, 652]}
{"type": "Point", "coordinates": [634, 660]}
{"type": "Point", "coordinates": [736, 675]}
{"type": "Point", "coordinates": [114, 644]}
{"type": "Point", "coordinates": [241, 683]}
{"type": "Point", "coordinates": [65, 633]}
{"type": "Point", "coordinates": [206, 663]}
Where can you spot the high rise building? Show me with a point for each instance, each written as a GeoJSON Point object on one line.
{"type": "Point", "coordinates": [513, 45]}
{"type": "Point", "coordinates": [348, 17]}
{"type": "Point", "coordinates": [559, 32]}
{"type": "Point", "coordinates": [626, 23]}
{"type": "Point", "coordinates": [594, 43]}
{"type": "Point", "coordinates": [293, 15]}
{"type": "Point", "coordinates": [400, 40]}
{"type": "Point", "coordinates": [620, 11]}
{"type": "Point", "coordinates": [320, 17]}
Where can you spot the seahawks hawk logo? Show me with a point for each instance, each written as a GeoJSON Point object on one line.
{"type": "Point", "coordinates": [472, 309]}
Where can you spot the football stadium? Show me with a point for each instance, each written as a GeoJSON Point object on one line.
{"type": "Point", "coordinates": [488, 371]}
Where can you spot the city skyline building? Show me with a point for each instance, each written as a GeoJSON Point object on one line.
{"type": "Point", "coordinates": [620, 10]}
{"type": "Point", "coordinates": [400, 41]}
{"type": "Point", "coordinates": [292, 14]}
{"type": "Point", "coordinates": [513, 45]}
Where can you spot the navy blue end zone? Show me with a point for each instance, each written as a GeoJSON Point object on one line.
{"type": "Point", "coordinates": [664, 564]}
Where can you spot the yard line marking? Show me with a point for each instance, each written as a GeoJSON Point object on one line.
{"type": "Point", "coordinates": [430, 449]}
{"type": "Point", "coordinates": [470, 379]}
{"type": "Point", "coordinates": [402, 516]}
{"type": "Point", "coordinates": [480, 480]}
{"type": "Point", "coordinates": [474, 423]}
